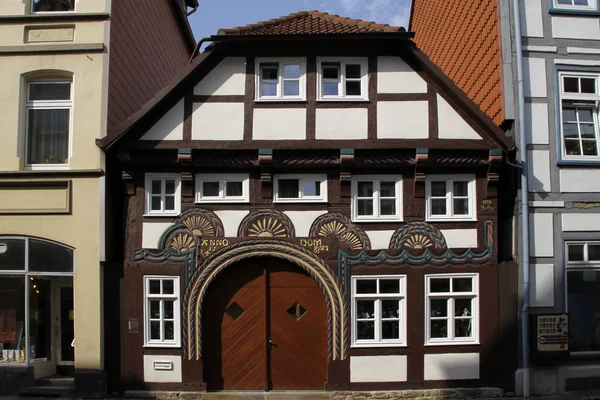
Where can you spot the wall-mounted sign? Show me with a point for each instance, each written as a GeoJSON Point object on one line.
{"type": "Point", "coordinates": [553, 332]}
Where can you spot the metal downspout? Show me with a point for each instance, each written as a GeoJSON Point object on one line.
{"type": "Point", "coordinates": [524, 205]}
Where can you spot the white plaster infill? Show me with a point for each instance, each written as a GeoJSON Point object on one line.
{"type": "Point", "coordinates": [582, 50]}
{"type": "Point", "coordinates": [541, 49]}
{"type": "Point", "coordinates": [583, 63]}
{"type": "Point", "coordinates": [546, 204]}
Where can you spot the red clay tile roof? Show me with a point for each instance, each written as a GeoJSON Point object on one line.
{"type": "Point", "coordinates": [463, 38]}
{"type": "Point", "coordinates": [310, 23]}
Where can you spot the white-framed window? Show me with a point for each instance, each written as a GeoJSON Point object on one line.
{"type": "Point", "coordinates": [222, 188]}
{"type": "Point", "coordinates": [377, 198]}
{"type": "Point", "coordinates": [450, 198]}
{"type": "Point", "coordinates": [280, 79]}
{"type": "Point", "coordinates": [582, 288]}
{"type": "Point", "coordinates": [49, 112]}
{"type": "Point", "coordinates": [579, 99]}
{"type": "Point", "coordinates": [162, 321]}
{"type": "Point", "coordinates": [378, 310]}
{"type": "Point", "coordinates": [342, 79]}
{"type": "Point", "coordinates": [452, 308]}
{"type": "Point", "coordinates": [40, 6]}
{"type": "Point", "coordinates": [163, 194]}
{"type": "Point", "coordinates": [575, 4]}
{"type": "Point", "coordinates": [290, 188]}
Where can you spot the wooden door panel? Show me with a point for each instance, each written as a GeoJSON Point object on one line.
{"type": "Point", "coordinates": [298, 356]}
{"type": "Point", "coordinates": [235, 349]}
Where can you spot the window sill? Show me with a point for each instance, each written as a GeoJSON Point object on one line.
{"type": "Point", "coordinates": [470, 343]}
{"type": "Point", "coordinates": [396, 219]}
{"type": "Point", "coordinates": [162, 345]}
{"type": "Point", "coordinates": [377, 345]}
{"type": "Point", "coordinates": [219, 201]}
{"type": "Point", "coordinates": [433, 220]}
{"type": "Point", "coordinates": [578, 162]}
{"type": "Point", "coordinates": [162, 215]}
{"type": "Point", "coordinates": [46, 167]}
{"type": "Point", "coordinates": [282, 100]}
{"type": "Point", "coordinates": [574, 11]}
{"type": "Point", "coordinates": [343, 100]}
{"type": "Point", "coordinates": [299, 201]}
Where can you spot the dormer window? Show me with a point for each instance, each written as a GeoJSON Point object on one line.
{"type": "Point", "coordinates": [52, 5]}
{"type": "Point", "coordinates": [342, 79]}
{"type": "Point", "coordinates": [281, 79]}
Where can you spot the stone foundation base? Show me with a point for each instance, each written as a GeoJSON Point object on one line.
{"type": "Point", "coordinates": [425, 394]}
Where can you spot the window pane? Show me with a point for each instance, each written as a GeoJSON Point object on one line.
{"type": "Point", "coordinates": [570, 130]}
{"type": "Point", "coordinates": [156, 187]}
{"type": "Point", "coordinates": [388, 207]}
{"type": "Point", "coordinates": [569, 114]}
{"type": "Point", "coordinates": [462, 307]}
{"type": "Point", "coordinates": [155, 203]}
{"type": "Point", "coordinates": [330, 89]}
{"type": "Point", "coordinates": [389, 286]}
{"type": "Point", "coordinates": [155, 330]}
{"type": "Point", "coordinates": [575, 252]}
{"type": "Point", "coordinates": [12, 254]}
{"type": "Point", "coordinates": [438, 207]}
{"type": "Point", "coordinates": [52, 5]}
{"type": "Point", "coordinates": [439, 308]}
{"type": "Point", "coordinates": [154, 286]}
{"type": "Point", "coordinates": [439, 328]}
{"type": "Point", "coordinates": [12, 315]}
{"type": "Point", "coordinates": [565, 2]}
{"type": "Point", "coordinates": [291, 71]}
{"type": "Point", "coordinates": [353, 71]}
{"type": "Point", "coordinates": [571, 85]}
{"type": "Point", "coordinates": [584, 310]}
{"type": "Point", "coordinates": [462, 328]}
{"type": "Point", "coordinates": [438, 188]}
{"type": "Point", "coordinates": [585, 115]}
{"type": "Point", "coordinates": [594, 252]}
{"type": "Point", "coordinates": [233, 189]}
{"type": "Point", "coordinates": [291, 88]}
{"type": "Point", "coordinates": [460, 188]}
{"type": "Point", "coordinates": [167, 286]}
{"type": "Point", "coordinates": [40, 317]}
{"type": "Point", "coordinates": [365, 330]}
{"type": "Point", "coordinates": [169, 203]}
{"type": "Point", "coordinates": [588, 85]}
{"type": "Point", "coordinates": [353, 88]}
{"type": "Point", "coordinates": [269, 71]}
{"type": "Point", "coordinates": [331, 71]}
{"type": "Point", "coordinates": [155, 309]}
{"type": "Point", "coordinates": [390, 329]}
{"type": "Point", "coordinates": [210, 189]}
{"type": "Point", "coordinates": [366, 286]}
{"type": "Point", "coordinates": [169, 330]}
{"type": "Point", "coordinates": [365, 207]}
{"type": "Point", "coordinates": [387, 189]}
{"type": "Point", "coordinates": [462, 284]}
{"type": "Point", "coordinates": [49, 91]}
{"type": "Point", "coordinates": [581, 2]}
{"type": "Point", "coordinates": [572, 147]}
{"type": "Point", "coordinates": [170, 186]}
{"type": "Point", "coordinates": [439, 285]}
{"type": "Point", "coordinates": [365, 309]}
{"type": "Point", "coordinates": [49, 257]}
{"type": "Point", "coordinates": [390, 309]}
{"type": "Point", "coordinates": [288, 188]}
{"type": "Point", "coordinates": [268, 89]}
{"type": "Point", "coordinates": [168, 309]}
{"type": "Point", "coordinates": [589, 147]}
{"type": "Point", "coordinates": [311, 188]}
{"type": "Point", "coordinates": [365, 189]}
{"type": "Point", "coordinates": [588, 131]}
{"type": "Point", "coordinates": [48, 137]}
{"type": "Point", "coordinates": [461, 206]}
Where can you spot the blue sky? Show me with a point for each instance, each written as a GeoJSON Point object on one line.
{"type": "Point", "coordinates": [215, 14]}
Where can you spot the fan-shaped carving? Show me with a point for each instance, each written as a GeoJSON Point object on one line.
{"type": "Point", "coordinates": [202, 222]}
{"type": "Point", "coordinates": [418, 236]}
{"type": "Point", "coordinates": [332, 228]}
{"type": "Point", "coordinates": [182, 242]}
{"type": "Point", "coordinates": [200, 226]}
{"type": "Point", "coordinates": [339, 225]}
{"type": "Point", "coordinates": [352, 240]}
{"type": "Point", "coordinates": [267, 227]}
{"type": "Point", "coordinates": [418, 242]}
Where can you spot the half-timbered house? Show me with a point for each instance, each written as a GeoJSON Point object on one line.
{"type": "Point", "coordinates": [312, 205]}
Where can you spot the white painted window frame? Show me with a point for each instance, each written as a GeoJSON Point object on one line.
{"type": "Point", "coordinates": [301, 62]}
{"type": "Point", "coordinates": [451, 296]}
{"type": "Point", "coordinates": [322, 178]}
{"type": "Point", "coordinates": [376, 180]}
{"type": "Point", "coordinates": [378, 342]}
{"type": "Point", "coordinates": [148, 194]}
{"type": "Point", "coordinates": [343, 61]}
{"type": "Point", "coordinates": [586, 261]}
{"type": "Point", "coordinates": [581, 100]}
{"type": "Point", "coordinates": [449, 216]}
{"type": "Point", "coordinates": [223, 179]}
{"type": "Point", "coordinates": [49, 105]}
{"type": "Point", "coordinates": [592, 5]}
{"type": "Point", "coordinates": [176, 312]}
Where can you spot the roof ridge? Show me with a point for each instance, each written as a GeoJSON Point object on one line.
{"type": "Point", "coordinates": [353, 21]}
{"type": "Point", "coordinates": [261, 24]}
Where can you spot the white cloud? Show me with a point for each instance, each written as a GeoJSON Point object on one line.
{"type": "Point", "coordinates": [393, 12]}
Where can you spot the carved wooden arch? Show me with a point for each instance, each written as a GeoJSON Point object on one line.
{"type": "Point", "coordinates": [337, 326]}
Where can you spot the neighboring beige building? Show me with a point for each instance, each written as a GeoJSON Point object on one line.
{"type": "Point", "coordinates": [61, 90]}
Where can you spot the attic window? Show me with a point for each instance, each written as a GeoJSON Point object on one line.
{"type": "Point", "coordinates": [343, 79]}
{"type": "Point", "coordinates": [281, 79]}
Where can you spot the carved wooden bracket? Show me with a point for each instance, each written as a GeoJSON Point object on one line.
{"type": "Point", "coordinates": [265, 163]}
{"type": "Point", "coordinates": [184, 156]}
{"type": "Point", "coordinates": [421, 160]}
{"type": "Point", "coordinates": [187, 185]}
{"type": "Point", "coordinates": [346, 166]}
{"type": "Point", "coordinates": [128, 182]}
{"type": "Point", "coordinates": [493, 176]}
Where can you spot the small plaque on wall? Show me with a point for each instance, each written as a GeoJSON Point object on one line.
{"type": "Point", "coordinates": [133, 325]}
{"type": "Point", "coordinates": [552, 332]}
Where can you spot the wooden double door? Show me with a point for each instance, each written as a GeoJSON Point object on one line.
{"type": "Point", "coordinates": [265, 328]}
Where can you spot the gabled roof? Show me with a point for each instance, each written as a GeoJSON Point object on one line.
{"type": "Point", "coordinates": [310, 23]}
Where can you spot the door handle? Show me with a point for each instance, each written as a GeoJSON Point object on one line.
{"type": "Point", "coordinates": [270, 343]}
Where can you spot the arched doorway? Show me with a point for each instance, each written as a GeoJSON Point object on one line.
{"type": "Point", "coordinates": [264, 328]}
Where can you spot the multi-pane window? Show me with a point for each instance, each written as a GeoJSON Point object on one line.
{"type": "Point", "coordinates": [377, 198]}
{"type": "Point", "coordinates": [52, 5]}
{"type": "Point", "coordinates": [222, 188]}
{"type": "Point", "coordinates": [280, 79]}
{"type": "Point", "coordinates": [300, 188]}
{"type": "Point", "coordinates": [379, 310]}
{"type": "Point", "coordinates": [579, 122]}
{"type": "Point", "coordinates": [49, 107]}
{"type": "Point", "coordinates": [450, 197]}
{"type": "Point", "coordinates": [451, 308]}
{"type": "Point", "coordinates": [161, 307]}
{"type": "Point", "coordinates": [575, 4]}
{"type": "Point", "coordinates": [342, 79]}
{"type": "Point", "coordinates": [583, 286]}
{"type": "Point", "coordinates": [163, 194]}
